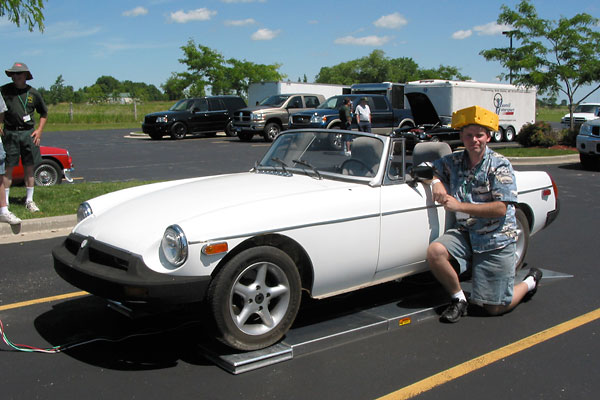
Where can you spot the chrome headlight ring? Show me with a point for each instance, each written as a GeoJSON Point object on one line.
{"type": "Point", "coordinates": [83, 211]}
{"type": "Point", "coordinates": [174, 246]}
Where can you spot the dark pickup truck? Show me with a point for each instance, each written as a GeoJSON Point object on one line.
{"type": "Point", "coordinates": [385, 119]}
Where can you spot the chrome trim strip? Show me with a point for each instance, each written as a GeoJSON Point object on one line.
{"type": "Point", "coordinates": [534, 190]}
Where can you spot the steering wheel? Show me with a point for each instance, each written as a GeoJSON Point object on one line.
{"type": "Point", "coordinates": [359, 162]}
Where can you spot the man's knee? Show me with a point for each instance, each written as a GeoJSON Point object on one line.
{"type": "Point", "coordinates": [494, 310]}
{"type": "Point", "coordinates": [436, 251]}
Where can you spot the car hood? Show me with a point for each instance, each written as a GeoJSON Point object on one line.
{"type": "Point", "coordinates": [317, 111]}
{"type": "Point", "coordinates": [213, 207]}
{"type": "Point", "coordinates": [168, 112]}
{"type": "Point", "coordinates": [422, 109]}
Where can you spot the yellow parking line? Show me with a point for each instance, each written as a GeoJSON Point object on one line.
{"type": "Point", "coordinates": [43, 300]}
{"type": "Point", "coordinates": [489, 358]}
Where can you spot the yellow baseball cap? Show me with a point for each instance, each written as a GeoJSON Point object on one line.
{"type": "Point", "coordinates": [475, 115]}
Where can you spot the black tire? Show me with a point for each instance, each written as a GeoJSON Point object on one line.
{"type": "Point", "coordinates": [497, 136]}
{"type": "Point", "coordinates": [245, 136]}
{"type": "Point", "coordinates": [262, 286]}
{"type": "Point", "coordinates": [509, 134]}
{"type": "Point", "coordinates": [155, 136]}
{"type": "Point", "coordinates": [523, 239]}
{"type": "Point", "coordinates": [47, 173]}
{"type": "Point", "coordinates": [178, 131]}
{"type": "Point", "coordinates": [271, 131]}
{"type": "Point", "coordinates": [229, 131]}
{"type": "Point", "coordinates": [589, 162]}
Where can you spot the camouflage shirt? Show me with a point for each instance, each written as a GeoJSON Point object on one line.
{"type": "Point", "coordinates": [493, 179]}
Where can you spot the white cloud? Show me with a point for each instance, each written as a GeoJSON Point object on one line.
{"type": "Point", "coordinates": [363, 41]}
{"type": "Point", "coordinates": [69, 30]}
{"type": "Point", "coordinates": [199, 14]}
{"type": "Point", "coordinates": [392, 21]}
{"type": "Point", "coordinates": [240, 22]}
{"type": "Point", "coordinates": [265, 34]}
{"type": "Point", "coordinates": [136, 12]}
{"type": "Point", "coordinates": [491, 28]}
{"type": "Point", "coordinates": [460, 35]}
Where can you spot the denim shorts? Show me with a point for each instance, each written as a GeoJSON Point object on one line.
{"type": "Point", "coordinates": [493, 272]}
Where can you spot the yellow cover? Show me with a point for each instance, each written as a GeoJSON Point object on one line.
{"type": "Point", "coordinates": [475, 115]}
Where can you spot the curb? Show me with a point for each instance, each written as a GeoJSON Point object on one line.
{"type": "Point", "coordinates": [566, 159]}
{"type": "Point", "coordinates": [37, 225]}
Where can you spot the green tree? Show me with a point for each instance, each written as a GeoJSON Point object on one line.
{"type": "Point", "coordinates": [28, 12]}
{"type": "Point", "coordinates": [174, 87]}
{"type": "Point", "coordinates": [554, 55]}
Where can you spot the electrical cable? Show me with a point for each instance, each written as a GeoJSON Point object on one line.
{"type": "Point", "coordinates": [61, 348]}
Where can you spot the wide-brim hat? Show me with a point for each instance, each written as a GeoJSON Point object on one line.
{"type": "Point", "coordinates": [19, 67]}
{"type": "Point", "coordinates": [475, 115]}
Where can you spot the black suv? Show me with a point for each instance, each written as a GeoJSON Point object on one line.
{"type": "Point", "coordinates": [206, 115]}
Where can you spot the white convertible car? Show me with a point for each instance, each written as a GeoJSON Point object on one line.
{"type": "Point", "coordinates": [307, 217]}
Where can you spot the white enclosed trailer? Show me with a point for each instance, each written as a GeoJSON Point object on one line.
{"type": "Point", "coordinates": [515, 105]}
{"type": "Point", "coordinates": [261, 90]}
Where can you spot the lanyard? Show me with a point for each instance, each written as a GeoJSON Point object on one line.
{"type": "Point", "coordinates": [24, 103]}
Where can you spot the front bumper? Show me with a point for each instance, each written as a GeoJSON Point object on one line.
{"type": "Point", "coordinates": [251, 127]}
{"type": "Point", "coordinates": [67, 174]}
{"type": "Point", "coordinates": [156, 128]}
{"type": "Point", "coordinates": [115, 274]}
{"type": "Point", "coordinates": [588, 144]}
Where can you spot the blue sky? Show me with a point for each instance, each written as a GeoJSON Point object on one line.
{"type": "Point", "coordinates": [140, 40]}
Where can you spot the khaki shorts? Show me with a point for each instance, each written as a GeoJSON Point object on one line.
{"type": "Point", "coordinates": [19, 144]}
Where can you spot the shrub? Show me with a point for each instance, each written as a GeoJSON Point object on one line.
{"type": "Point", "coordinates": [538, 134]}
{"type": "Point", "coordinates": [569, 137]}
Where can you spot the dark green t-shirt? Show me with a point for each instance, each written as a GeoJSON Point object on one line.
{"type": "Point", "coordinates": [21, 102]}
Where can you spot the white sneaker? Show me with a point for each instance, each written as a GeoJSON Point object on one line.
{"type": "Point", "coordinates": [30, 205]}
{"type": "Point", "coordinates": [10, 218]}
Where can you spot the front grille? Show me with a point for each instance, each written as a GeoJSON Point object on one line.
{"type": "Point", "coordinates": [99, 257]}
{"type": "Point", "coordinates": [578, 120]}
{"type": "Point", "coordinates": [150, 120]}
{"type": "Point", "coordinates": [72, 245]}
{"type": "Point", "coordinates": [242, 116]}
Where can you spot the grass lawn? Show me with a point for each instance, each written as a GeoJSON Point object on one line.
{"type": "Point", "coordinates": [62, 199]}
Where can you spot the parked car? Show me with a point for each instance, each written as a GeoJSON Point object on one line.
{"type": "Point", "coordinates": [384, 118]}
{"type": "Point", "coordinates": [588, 143]}
{"type": "Point", "coordinates": [56, 165]}
{"type": "Point", "coordinates": [306, 218]}
{"type": "Point", "coordinates": [583, 112]}
{"type": "Point", "coordinates": [204, 115]}
{"type": "Point", "coordinates": [271, 115]}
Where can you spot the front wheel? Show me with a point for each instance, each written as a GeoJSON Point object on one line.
{"type": "Point", "coordinates": [178, 130]}
{"type": "Point", "coordinates": [497, 136]}
{"type": "Point", "coordinates": [272, 130]}
{"type": "Point", "coordinates": [523, 239]}
{"type": "Point", "coordinates": [229, 131]}
{"type": "Point", "coordinates": [254, 298]}
{"type": "Point", "coordinates": [47, 173]}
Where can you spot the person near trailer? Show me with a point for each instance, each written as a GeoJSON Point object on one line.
{"type": "Point", "coordinates": [478, 185]}
{"type": "Point", "coordinates": [5, 215]}
{"type": "Point", "coordinates": [363, 115]}
{"type": "Point", "coordinates": [21, 138]}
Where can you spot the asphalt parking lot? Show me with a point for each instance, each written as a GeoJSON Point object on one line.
{"type": "Point", "coordinates": [546, 348]}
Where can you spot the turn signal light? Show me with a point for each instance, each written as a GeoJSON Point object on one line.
{"type": "Point", "coordinates": [215, 248]}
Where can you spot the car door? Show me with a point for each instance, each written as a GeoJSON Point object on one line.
{"type": "Point", "coordinates": [199, 118]}
{"type": "Point", "coordinates": [410, 220]}
{"type": "Point", "coordinates": [218, 115]}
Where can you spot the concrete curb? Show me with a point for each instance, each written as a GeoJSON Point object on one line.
{"type": "Point", "coordinates": [566, 159]}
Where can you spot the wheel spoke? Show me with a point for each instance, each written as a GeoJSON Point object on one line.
{"type": "Point", "coordinates": [277, 291]}
{"type": "Point", "coordinates": [246, 312]}
{"type": "Point", "coordinates": [261, 275]}
{"type": "Point", "coordinates": [243, 291]}
{"type": "Point", "coordinates": [265, 316]}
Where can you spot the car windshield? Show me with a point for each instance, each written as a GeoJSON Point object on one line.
{"type": "Point", "coordinates": [586, 108]}
{"type": "Point", "coordinates": [182, 105]}
{"type": "Point", "coordinates": [324, 154]}
{"type": "Point", "coordinates": [332, 103]}
{"type": "Point", "coordinates": [274, 101]}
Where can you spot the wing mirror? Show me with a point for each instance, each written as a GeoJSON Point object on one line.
{"type": "Point", "coordinates": [420, 173]}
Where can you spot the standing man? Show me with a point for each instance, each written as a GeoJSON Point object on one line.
{"type": "Point", "coordinates": [5, 215]}
{"type": "Point", "coordinates": [479, 186]}
{"type": "Point", "coordinates": [363, 116]}
{"type": "Point", "coordinates": [345, 113]}
{"type": "Point", "coordinates": [21, 139]}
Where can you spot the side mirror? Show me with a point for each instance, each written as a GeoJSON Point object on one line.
{"type": "Point", "coordinates": [598, 112]}
{"type": "Point", "coordinates": [421, 172]}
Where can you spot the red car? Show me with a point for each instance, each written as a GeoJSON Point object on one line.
{"type": "Point", "coordinates": [56, 164]}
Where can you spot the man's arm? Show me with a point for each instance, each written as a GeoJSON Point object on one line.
{"type": "Point", "coordinates": [37, 134]}
{"type": "Point", "coordinates": [494, 209]}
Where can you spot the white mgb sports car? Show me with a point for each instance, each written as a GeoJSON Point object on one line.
{"type": "Point", "coordinates": [308, 216]}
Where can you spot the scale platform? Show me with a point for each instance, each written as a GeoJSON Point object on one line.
{"type": "Point", "coordinates": [413, 303]}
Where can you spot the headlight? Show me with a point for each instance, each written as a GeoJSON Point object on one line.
{"type": "Point", "coordinates": [174, 246]}
{"type": "Point", "coordinates": [316, 119]}
{"type": "Point", "coordinates": [585, 129]}
{"type": "Point", "coordinates": [83, 211]}
{"type": "Point", "coordinates": [161, 119]}
{"type": "Point", "coordinates": [256, 116]}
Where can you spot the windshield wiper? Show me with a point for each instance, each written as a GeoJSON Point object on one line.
{"type": "Point", "coordinates": [284, 166]}
{"type": "Point", "coordinates": [307, 164]}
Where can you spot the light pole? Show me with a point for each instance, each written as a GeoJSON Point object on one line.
{"type": "Point", "coordinates": [510, 35]}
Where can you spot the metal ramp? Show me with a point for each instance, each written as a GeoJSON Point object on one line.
{"type": "Point", "coordinates": [305, 338]}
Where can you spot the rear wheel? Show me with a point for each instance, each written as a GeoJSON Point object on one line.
{"type": "Point", "coordinates": [229, 131]}
{"type": "Point", "coordinates": [178, 130]}
{"type": "Point", "coordinates": [47, 173]}
{"type": "Point", "coordinates": [497, 136]}
{"type": "Point", "coordinates": [254, 298]}
{"type": "Point", "coordinates": [523, 239]}
{"type": "Point", "coordinates": [509, 134]}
